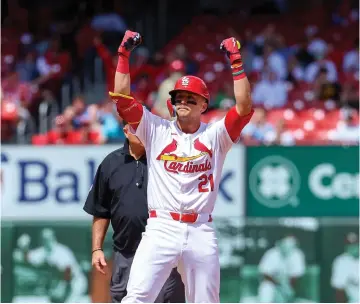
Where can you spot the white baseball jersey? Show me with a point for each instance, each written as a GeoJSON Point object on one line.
{"type": "Point", "coordinates": [345, 275]}
{"type": "Point", "coordinates": [274, 264]}
{"type": "Point", "coordinates": [184, 169]}
{"type": "Point", "coordinates": [60, 256]}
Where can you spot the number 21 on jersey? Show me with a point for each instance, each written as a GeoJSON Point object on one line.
{"type": "Point", "coordinates": [206, 183]}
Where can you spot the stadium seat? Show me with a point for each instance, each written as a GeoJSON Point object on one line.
{"type": "Point", "coordinates": [39, 140]}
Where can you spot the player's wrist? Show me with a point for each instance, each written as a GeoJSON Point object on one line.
{"type": "Point", "coordinates": [237, 69]}
{"type": "Point", "coordinates": [122, 51]}
{"type": "Point", "coordinates": [123, 65]}
{"type": "Point", "coordinates": [96, 249]}
{"type": "Point", "coordinates": [235, 57]}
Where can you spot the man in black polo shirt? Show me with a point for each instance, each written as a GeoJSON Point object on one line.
{"type": "Point", "coordinates": [119, 196]}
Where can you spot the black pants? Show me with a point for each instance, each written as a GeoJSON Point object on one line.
{"type": "Point", "coordinates": [173, 290]}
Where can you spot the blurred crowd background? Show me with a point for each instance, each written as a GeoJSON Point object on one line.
{"type": "Point", "coordinates": [58, 61]}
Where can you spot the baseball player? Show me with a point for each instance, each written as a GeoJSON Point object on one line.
{"type": "Point", "coordinates": [281, 266]}
{"type": "Point", "coordinates": [185, 160]}
{"type": "Point", "coordinates": [73, 285]}
{"type": "Point", "coordinates": [345, 272]}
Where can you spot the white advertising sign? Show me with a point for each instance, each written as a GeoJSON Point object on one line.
{"type": "Point", "coordinates": [231, 197]}
{"type": "Point", "coordinates": [52, 183]}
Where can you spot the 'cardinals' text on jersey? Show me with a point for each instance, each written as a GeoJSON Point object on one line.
{"type": "Point", "coordinates": [184, 169]}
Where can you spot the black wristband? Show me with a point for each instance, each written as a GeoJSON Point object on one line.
{"type": "Point", "coordinates": [96, 250]}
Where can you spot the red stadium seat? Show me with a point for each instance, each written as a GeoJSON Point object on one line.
{"type": "Point", "coordinates": [39, 140]}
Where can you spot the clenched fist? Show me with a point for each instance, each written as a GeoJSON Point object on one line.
{"type": "Point", "coordinates": [232, 48]}
{"type": "Point", "coordinates": [130, 41]}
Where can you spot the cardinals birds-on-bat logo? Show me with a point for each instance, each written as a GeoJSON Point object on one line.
{"type": "Point", "coordinates": [185, 81]}
{"type": "Point", "coordinates": [184, 164]}
{"type": "Point", "coordinates": [167, 153]}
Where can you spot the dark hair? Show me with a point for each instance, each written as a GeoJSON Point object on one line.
{"type": "Point", "coordinates": [124, 122]}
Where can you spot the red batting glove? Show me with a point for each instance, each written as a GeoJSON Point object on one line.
{"type": "Point", "coordinates": [130, 41]}
{"type": "Point", "coordinates": [232, 48]}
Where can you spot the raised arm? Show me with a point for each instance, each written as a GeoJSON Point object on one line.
{"type": "Point", "coordinates": [103, 52]}
{"type": "Point", "coordinates": [240, 115]}
{"type": "Point", "coordinates": [127, 107]}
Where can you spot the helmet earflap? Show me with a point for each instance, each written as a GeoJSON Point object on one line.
{"type": "Point", "coordinates": [172, 99]}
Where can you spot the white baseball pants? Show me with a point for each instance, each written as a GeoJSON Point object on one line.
{"type": "Point", "coordinates": [166, 244]}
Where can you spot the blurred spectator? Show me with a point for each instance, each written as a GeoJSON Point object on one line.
{"type": "Point", "coordinates": [181, 53]}
{"type": "Point", "coordinates": [33, 62]}
{"type": "Point", "coordinates": [53, 66]}
{"type": "Point", "coordinates": [9, 122]}
{"type": "Point", "coordinates": [345, 12]}
{"type": "Point", "coordinates": [139, 57]}
{"type": "Point", "coordinates": [224, 98]}
{"type": "Point", "coordinates": [295, 70]}
{"type": "Point", "coordinates": [284, 50]}
{"type": "Point", "coordinates": [249, 41]}
{"type": "Point", "coordinates": [350, 93]}
{"type": "Point", "coordinates": [79, 111]}
{"type": "Point", "coordinates": [176, 70]}
{"type": "Point", "coordinates": [138, 61]}
{"type": "Point", "coordinates": [317, 47]}
{"type": "Point", "coordinates": [256, 131]}
{"type": "Point", "coordinates": [86, 134]}
{"type": "Point", "coordinates": [313, 69]}
{"type": "Point", "coordinates": [347, 130]}
{"type": "Point", "coordinates": [270, 92]}
{"type": "Point", "coordinates": [109, 21]}
{"type": "Point", "coordinates": [303, 55]}
{"type": "Point", "coordinates": [272, 59]}
{"type": "Point", "coordinates": [279, 136]}
{"type": "Point", "coordinates": [142, 89]}
{"type": "Point", "coordinates": [109, 61]}
{"type": "Point", "coordinates": [26, 68]}
{"type": "Point", "coordinates": [50, 63]}
{"type": "Point", "coordinates": [351, 60]}
{"type": "Point", "coordinates": [60, 134]}
{"type": "Point", "coordinates": [110, 127]}
{"type": "Point", "coordinates": [268, 36]}
{"type": "Point", "coordinates": [325, 89]}
{"type": "Point", "coordinates": [248, 58]}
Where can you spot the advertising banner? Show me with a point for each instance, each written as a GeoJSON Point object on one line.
{"type": "Point", "coordinates": [282, 251]}
{"type": "Point", "coordinates": [6, 262]}
{"type": "Point", "coordinates": [302, 181]}
{"type": "Point", "coordinates": [51, 263]}
{"type": "Point", "coordinates": [340, 260]}
{"type": "Point", "coordinates": [53, 182]}
{"type": "Point", "coordinates": [311, 259]}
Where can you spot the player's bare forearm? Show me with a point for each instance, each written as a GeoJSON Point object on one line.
{"type": "Point", "coordinates": [103, 52]}
{"type": "Point", "coordinates": [237, 117]}
{"type": "Point", "coordinates": [122, 83]}
{"type": "Point", "coordinates": [242, 91]}
{"type": "Point", "coordinates": [99, 229]}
